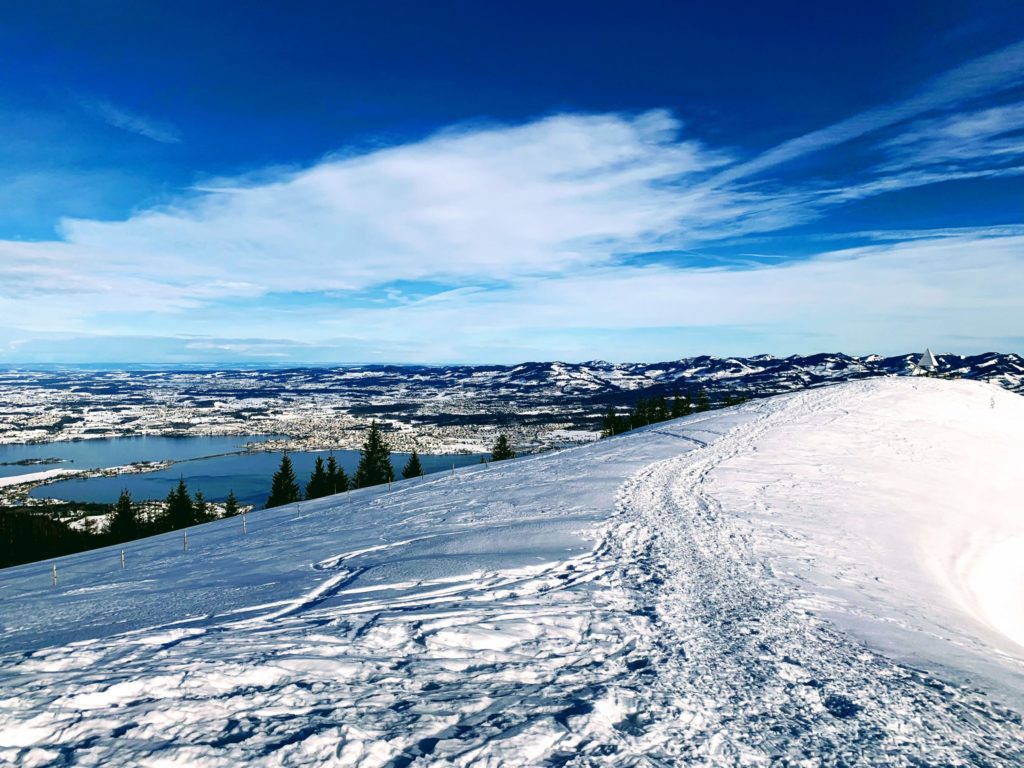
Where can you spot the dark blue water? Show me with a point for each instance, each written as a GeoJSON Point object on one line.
{"type": "Point", "coordinates": [248, 475]}
{"type": "Point", "coordinates": [113, 452]}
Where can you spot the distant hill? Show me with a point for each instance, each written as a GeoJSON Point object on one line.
{"type": "Point", "coordinates": [763, 374]}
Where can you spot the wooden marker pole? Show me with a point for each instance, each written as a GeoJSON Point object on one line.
{"type": "Point", "coordinates": [245, 528]}
{"type": "Point", "coordinates": [55, 575]}
{"type": "Point", "coordinates": [122, 559]}
{"type": "Point", "coordinates": [184, 542]}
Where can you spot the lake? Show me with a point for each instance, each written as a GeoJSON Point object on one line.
{"type": "Point", "coordinates": [247, 474]}
{"type": "Point", "coordinates": [114, 452]}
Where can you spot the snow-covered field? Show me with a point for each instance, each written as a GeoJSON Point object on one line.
{"type": "Point", "coordinates": [32, 477]}
{"type": "Point", "coordinates": [828, 577]}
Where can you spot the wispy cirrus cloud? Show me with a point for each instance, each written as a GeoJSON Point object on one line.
{"type": "Point", "coordinates": [908, 179]}
{"type": "Point", "coordinates": [132, 122]}
{"type": "Point", "coordinates": [507, 232]}
{"type": "Point", "coordinates": [987, 137]}
{"type": "Point", "coordinates": [995, 72]}
{"type": "Point", "coordinates": [494, 203]}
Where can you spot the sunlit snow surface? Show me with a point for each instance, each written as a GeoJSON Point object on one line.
{"type": "Point", "coordinates": [834, 576]}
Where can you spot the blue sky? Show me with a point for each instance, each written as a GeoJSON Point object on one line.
{"type": "Point", "coordinates": [495, 182]}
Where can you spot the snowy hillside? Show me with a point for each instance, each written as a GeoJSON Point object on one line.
{"type": "Point", "coordinates": [832, 575]}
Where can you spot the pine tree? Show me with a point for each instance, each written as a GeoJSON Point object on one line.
{"type": "Point", "coordinates": [733, 398]}
{"type": "Point", "coordinates": [703, 401]}
{"type": "Point", "coordinates": [179, 512]}
{"type": "Point", "coordinates": [319, 484]}
{"type": "Point", "coordinates": [412, 468]}
{"type": "Point", "coordinates": [283, 488]}
{"type": "Point", "coordinates": [337, 480]}
{"type": "Point", "coordinates": [200, 509]}
{"type": "Point", "coordinates": [230, 504]}
{"type": "Point", "coordinates": [643, 413]}
{"type": "Point", "coordinates": [661, 410]}
{"type": "Point", "coordinates": [610, 423]}
{"type": "Point", "coordinates": [502, 449]}
{"type": "Point", "coordinates": [374, 460]}
{"type": "Point", "coordinates": [680, 406]}
{"type": "Point", "coordinates": [124, 524]}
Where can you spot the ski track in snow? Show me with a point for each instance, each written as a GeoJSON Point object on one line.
{"type": "Point", "coordinates": [526, 614]}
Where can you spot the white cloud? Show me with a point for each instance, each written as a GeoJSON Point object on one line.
{"type": "Point", "coordinates": [995, 72]}
{"type": "Point", "coordinates": [883, 296]}
{"type": "Point", "coordinates": [525, 229]}
{"type": "Point", "coordinates": [907, 179]}
{"type": "Point", "coordinates": [953, 290]}
{"type": "Point", "coordinates": [130, 121]}
{"type": "Point", "coordinates": [554, 195]}
{"type": "Point", "coordinates": [988, 136]}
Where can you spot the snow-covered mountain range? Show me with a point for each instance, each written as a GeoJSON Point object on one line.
{"type": "Point", "coordinates": [762, 374]}
{"type": "Point", "coordinates": [826, 577]}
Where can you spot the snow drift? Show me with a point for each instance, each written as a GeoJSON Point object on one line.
{"type": "Point", "coordinates": [828, 576]}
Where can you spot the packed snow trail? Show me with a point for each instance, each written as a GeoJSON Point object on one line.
{"type": "Point", "coordinates": [749, 675]}
{"type": "Point", "coordinates": [717, 590]}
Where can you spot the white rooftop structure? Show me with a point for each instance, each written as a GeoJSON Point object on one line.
{"type": "Point", "coordinates": [928, 362]}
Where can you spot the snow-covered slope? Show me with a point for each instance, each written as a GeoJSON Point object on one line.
{"type": "Point", "coordinates": [826, 576]}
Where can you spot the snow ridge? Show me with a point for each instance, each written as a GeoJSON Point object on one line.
{"type": "Point", "coordinates": [786, 685]}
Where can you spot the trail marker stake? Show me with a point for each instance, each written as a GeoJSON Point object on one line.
{"type": "Point", "coordinates": [122, 559]}
{"type": "Point", "coordinates": [245, 528]}
{"type": "Point", "coordinates": [184, 542]}
{"type": "Point", "coordinates": [55, 575]}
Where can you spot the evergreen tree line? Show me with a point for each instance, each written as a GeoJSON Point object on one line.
{"type": "Point", "coordinates": [180, 510]}
{"type": "Point", "coordinates": [656, 409]}
{"type": "Point", "coordinates": [37, 533]}
{"type": "Point", "coordinates": [375, 468]}
{"type": "Point", "coordinates": [329, 477]}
